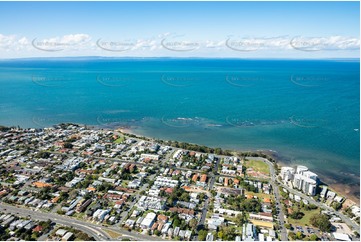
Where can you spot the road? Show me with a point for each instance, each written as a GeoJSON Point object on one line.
{"type": "Point", "coordinates": [91, 229]}
{"type": "Point", "coordinates": [280, 214]}
{"type": "Point", "coordinates": [344, 218]}
{"type": "Point", "coordinates": [202, 220]}
{"type": "Point", "coordinates": [203, 216]}
{"type": "Point", "coordinates": [212, 179]}
{"type": "Point", "coordinates": [204, 213]}
{"type": "Point", "coordinates": [128, 161]}
{"type": "Point", "coordinates": [135, 199]}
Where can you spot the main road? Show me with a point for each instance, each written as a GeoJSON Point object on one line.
{"type": "Point", "coordinates": [281, 216]}
{"type": "Point", "coordinates": [91, 229]}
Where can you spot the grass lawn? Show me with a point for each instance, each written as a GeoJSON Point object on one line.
{"type": "Point", "coordinates": [305, 219]}
{"type": "Point", "coordinates": [125, 183]}
{"type": "Point", "coordinates": [260, 195]}
{"type": "Point", "coordinates": [119, 140]}
{"type": "Point", "coordinates": [78, 215]}
{"type": "Point", "coordinates": [238, 229]}
{"type": "Point", "coordinates": [231, 218]}
{"type": "Point", "coordinates": [112, 234]}
{"type": "Point", "coordinates": [257, 166]}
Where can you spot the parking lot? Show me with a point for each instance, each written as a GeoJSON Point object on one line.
{"type": "Point", "coordinates": [309, 231]}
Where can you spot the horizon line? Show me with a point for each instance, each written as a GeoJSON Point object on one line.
{"type": "Point", "coordinates": [179, 57]}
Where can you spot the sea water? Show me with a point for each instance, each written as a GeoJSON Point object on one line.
{"type": "Point", "coordinates": [305, 110]}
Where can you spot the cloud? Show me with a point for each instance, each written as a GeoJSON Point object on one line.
{"type": "Point", "coordinates": [66, 42]}
{"type": "Point", "coordinates": [75, 39]}
{"type": "Point", "coordinates": [7, 41]}
{"type": "Point", "coordinates": [83, 44]}
{"type": "Point", "coordinates": [325, 43]}
{"type": "Point", "coordinates": [330, 43]}
{"type": "Point", "coordinates": [23, 41]}
{"type": "Point", "coordinates": [214, 44]}
{"type": "Point", "coordinates": [13, 43]}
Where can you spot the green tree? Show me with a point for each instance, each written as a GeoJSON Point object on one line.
{"type": "Point", "coordinates": [337, 205]}
{"type": "Point", "coordinates": [240, 219]}
{"type": "Point", "coordinates": [251, 205]}
{"type": "Point", "coordinates": [61, 212]}
{"type": "Point", "coordinates": [34, 236]}
{"type": "Point", "coordinates": [229, 233]}
{"type": "Point", "coordinates": [322, 222]}
{"type": "Point", "coordinates": [313, 237]}
{"type": "Point", "coordinates": [185, 197]}
{"type": "Point", "coordinates": [43, 154]}
{"type": "Point", "coordinates": [202, 235]}
{"type": "Point", "coordinates": [193, 223]}
{"type": "Point", "coordinates": [45, 193]}
{"type": "Point", "coordinates": [292, 235]}
{"type": "Point", "coordinates": [299, 235]}
{"type": "Point", "coordinates": [220, 234]}
{"type": "Point", "coordinates": [312, 206]}
{"type": "Point", "coordinates": [176, 222]}
{"type": "Point", "coordinates": [296, 215]}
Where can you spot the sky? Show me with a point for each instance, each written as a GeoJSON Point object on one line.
{"type": "Point", "coordinates": [180, 29]}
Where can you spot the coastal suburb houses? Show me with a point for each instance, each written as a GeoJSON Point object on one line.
{"type": "Point", "coordinates": [156, 189]}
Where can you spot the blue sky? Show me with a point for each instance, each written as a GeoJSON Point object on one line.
{"type": "Point", "coordinates": [203, 29]}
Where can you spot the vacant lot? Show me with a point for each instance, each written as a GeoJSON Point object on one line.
{"type": "Point", "coordinates": [259, 166]}
{"type": "Point", "coordinates": [260, 195]}
{"type": "Point", "coordinates": [119, 140]}
{"type": "Point", "coordinates": [262, 223]}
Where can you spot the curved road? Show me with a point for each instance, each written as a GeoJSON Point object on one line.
{"type": "Point", "coordinates": [91, 229]}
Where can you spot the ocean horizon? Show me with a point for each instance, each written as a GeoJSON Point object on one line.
{"type": "Point", "coordinates": [305, 111]}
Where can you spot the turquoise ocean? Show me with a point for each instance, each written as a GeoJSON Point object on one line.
{"type": "Point", "coordinates": [305, 111]}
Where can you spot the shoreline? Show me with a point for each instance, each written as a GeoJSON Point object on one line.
{"type": "Point", "coordinates": [344, 190]}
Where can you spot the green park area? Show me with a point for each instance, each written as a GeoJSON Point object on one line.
{"type": "Point", "coordinates": [257, 165]}
{"type": "Point", "coordinates": [119, 140]}
{"type": "Point", "coordinates": [305, 220]}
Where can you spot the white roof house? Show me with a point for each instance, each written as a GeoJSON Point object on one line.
{"type": "Point", "coordinates": [61, 232]}
{"type": "Point", "coordinates": [148, 220]}
{"type": "Point", "coordinates": [341, 236]}
{"type": "Point", "coordinates": [67, 236]}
